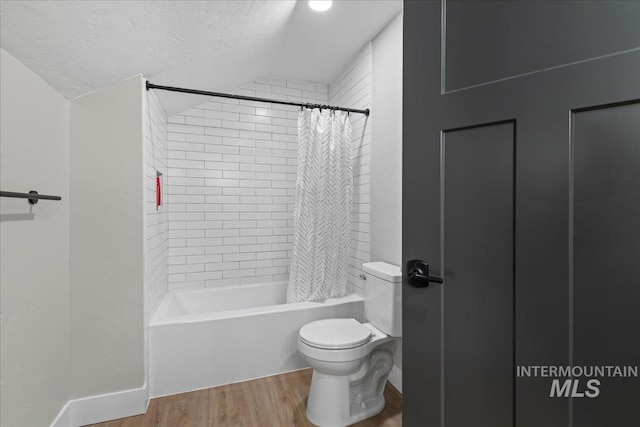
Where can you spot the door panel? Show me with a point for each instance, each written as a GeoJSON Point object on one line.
{"type": "Point", "coordinates": [491, 40]}
{"type": "Point", "coordinates": [606, 267]}
{"type": "Point", "coordinates": [561, 313]}
{"type": "Point", "coordinates": [478, 257]}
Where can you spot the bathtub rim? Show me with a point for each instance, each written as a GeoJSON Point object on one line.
{"type": "Point", "coordinates": [160, 318]}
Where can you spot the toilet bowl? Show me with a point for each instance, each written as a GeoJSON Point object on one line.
{"type": "Point", "coordinates": [350, 370]}
{"type": "Point", "coordinates": [351, 360]}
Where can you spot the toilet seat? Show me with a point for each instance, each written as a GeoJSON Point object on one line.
{"type": "Point", "coordinates": [335, 334]}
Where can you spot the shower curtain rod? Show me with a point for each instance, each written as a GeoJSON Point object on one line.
{"type": "Point", "coordinates": [253, 98]}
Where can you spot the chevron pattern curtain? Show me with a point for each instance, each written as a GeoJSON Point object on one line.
{"type": "Point", "coordinates": [322, 207]}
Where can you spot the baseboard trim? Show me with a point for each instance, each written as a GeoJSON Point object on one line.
{"type": "Point", "coordinates": [104, 407]}
{"type": "Point", "coordinates": [395, 378]}
{"type": "Point", "coordinates": [64, 417]}
{"type": "Point", "coordinates": [224, 384]}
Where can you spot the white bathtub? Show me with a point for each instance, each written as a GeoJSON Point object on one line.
{"type": "Point", "coordinates": [204, 338]}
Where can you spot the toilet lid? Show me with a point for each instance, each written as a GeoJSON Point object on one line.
{"type": "Point", "coordinates": [335, 333]}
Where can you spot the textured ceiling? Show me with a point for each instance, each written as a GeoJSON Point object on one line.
{"type": "Point", "coordinates": [80, 46]}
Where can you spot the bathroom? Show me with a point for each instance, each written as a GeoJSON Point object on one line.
{"type": "Point", "coordinates": [163, 280]}
{"type": "Point", "coordinates": [227, 171]}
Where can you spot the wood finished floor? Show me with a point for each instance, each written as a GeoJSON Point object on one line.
{"type": "Point", "coordinates": [273, 401]}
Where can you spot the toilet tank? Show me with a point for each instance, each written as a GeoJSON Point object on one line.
{"type": "Point", "coordinates": [383, 297]}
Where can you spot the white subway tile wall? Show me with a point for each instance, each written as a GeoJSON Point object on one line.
{"type": "Point", "coordinates": [156, 227]}
{"type": "Point", "coordinates": [232, 171]}
{"type": "Point", "coordinates": [156, 221]}
{"type": "Point", "coordinates": [352, 88]}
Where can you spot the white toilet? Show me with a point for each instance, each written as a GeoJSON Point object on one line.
{"type": "Point", "coordinates": [351, 360]}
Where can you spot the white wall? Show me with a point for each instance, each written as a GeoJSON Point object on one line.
{"type": "Point", "coordinates": [232, 171]}
{"type": "Point", "coordinates": [386, 153]}
{"type": "Point", "coordinates": [34, 275]}
{"type": "Point", "coordinates": [107, 240]}
{"type": "Point", "coordinates": [352, 88]}
{"type": "Point", "coordinates": [72, 297]}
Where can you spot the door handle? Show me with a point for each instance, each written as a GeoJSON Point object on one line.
{"type": "Point", "coordinates": [418, 274]}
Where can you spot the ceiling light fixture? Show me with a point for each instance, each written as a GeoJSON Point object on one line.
{"type": "Point", "coordinates": [320, 5]}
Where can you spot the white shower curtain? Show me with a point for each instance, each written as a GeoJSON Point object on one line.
{"type": "Point", "coordinates": [322, 207]}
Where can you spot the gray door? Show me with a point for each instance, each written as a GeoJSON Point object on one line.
{"type": "Point", "coordinates": [522, 190]}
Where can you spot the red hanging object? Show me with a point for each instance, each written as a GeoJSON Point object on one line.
{"type": "Point", "coordinates": [158, 192]}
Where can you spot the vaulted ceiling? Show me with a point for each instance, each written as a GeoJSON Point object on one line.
{"type": "Point", "coordinates": [80, 46]}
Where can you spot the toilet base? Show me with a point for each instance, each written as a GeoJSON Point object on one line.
{"type": "Point", "coordinates": [329, 405]}
{"type": "Point", "coordinates": [342, 400]}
